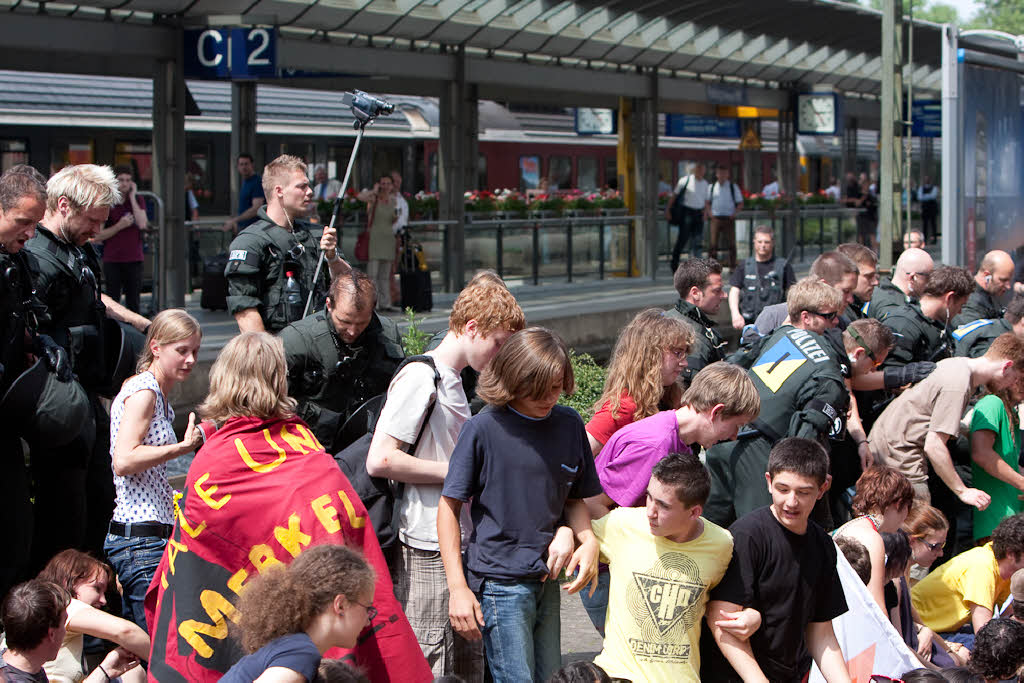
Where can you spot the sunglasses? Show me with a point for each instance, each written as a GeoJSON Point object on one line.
{"type": "Point", "coordinates": [932, 546]}
{"type": "Point", "coordinates": [826, 316]}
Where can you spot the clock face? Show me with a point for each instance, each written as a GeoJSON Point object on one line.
{"type": "Point", "coordinates": [816, 114]}
{"type": "Point", "coordinates": [591, 121]}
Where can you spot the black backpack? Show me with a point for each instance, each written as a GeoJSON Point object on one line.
{"type": "Point", "coordinates": [677, 211]}
{"type": "Point", "coordinates": [377, 493]}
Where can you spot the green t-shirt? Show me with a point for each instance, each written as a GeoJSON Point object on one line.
{"type": "Point", "coordinates": [990, 414]}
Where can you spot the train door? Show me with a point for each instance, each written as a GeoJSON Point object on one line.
{"type": "Point", "coordinates": [560, 172]}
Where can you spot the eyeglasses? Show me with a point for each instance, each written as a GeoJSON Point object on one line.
{"type": "Point", "coordinates": [371, 611]}
{"type": "Point", "coordinates": [678, 354]}
{"type": "Point", "coordinates": [826, 316]}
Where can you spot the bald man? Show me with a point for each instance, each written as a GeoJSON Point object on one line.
{"type": "Point", "coordinates": [993, 279]}
{"type": "Point", "coordinates": [913, 268]}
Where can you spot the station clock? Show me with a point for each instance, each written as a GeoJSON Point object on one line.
{"type": "Point", "coordinates": [817, 113]}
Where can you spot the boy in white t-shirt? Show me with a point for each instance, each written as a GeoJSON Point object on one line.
{"type": "Point", "coordinates": [483, 316]}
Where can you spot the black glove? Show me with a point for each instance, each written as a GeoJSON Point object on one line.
{"type": "Point", "coordinates": [56, 357]}
{"type": "Point", "coordinates": [908, 374]}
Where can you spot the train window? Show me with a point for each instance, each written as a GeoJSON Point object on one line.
{"type": "Point", "coordinates": [529, 173]}
{"type": "Point", "coordinates": [70, 153]}
{"type": "Point", "coordinates": [12, 153]}
{"type": "Point", "coordinates": [586, 173]}
{"type": "Point", "coordinates": [139, 157]}
{"type": "Point", "coordinates": [560, 173]}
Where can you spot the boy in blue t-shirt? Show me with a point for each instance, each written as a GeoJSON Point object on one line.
{"type": "Point", "coordinates": [525, 463]}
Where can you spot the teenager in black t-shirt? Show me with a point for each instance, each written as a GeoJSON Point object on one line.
{"type": "Point", "coordinates": [783, 566]}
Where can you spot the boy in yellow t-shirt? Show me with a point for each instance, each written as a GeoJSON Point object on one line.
{"type": "Point", "coordinates": [664, 559]}
{"type": "Point", "coordinates": [966, 590]}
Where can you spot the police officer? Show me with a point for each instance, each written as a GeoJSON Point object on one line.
{"type": "Point", "coordinates": [922, 327]}
{"type": "Point", "coordinates": [74, 494]}
{"type": "Point", "coordinates": [913, 268]}
{"type": "Point", "coordinates": [22, 203]}
{"type": "Point", "coordinates": [867, 279]}
{"type": "Point", "coordinates": [340, 357]}
{"type": "Point", "coordinates": [973, 339]}
{"type": "Point", "coordinates": [278, 243]}
{"type": "Point", "coordinates": [803, 393]}
{"type": "Point", "coordinates": [993, 279]}
{"type": "Point", "coordinates": [762, 280]}
{"type": "Point", "coordinates": [699, 283]}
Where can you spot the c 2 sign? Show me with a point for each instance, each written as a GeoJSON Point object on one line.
{"type": "Point", "coordinates": [235, 53]}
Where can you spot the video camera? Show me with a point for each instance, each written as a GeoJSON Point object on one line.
{"type": "Point", "coordinates": [366, 107]}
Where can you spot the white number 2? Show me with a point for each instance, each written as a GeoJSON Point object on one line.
{"type": "Point", "coordinates": [256, 57]}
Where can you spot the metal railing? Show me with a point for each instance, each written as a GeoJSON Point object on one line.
{"type": "Point", "coordinates": [563, 248]}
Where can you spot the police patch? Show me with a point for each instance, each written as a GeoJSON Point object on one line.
{"type": "Point", "coordinates": [779, 362]}
{"type": "Point", "coordinates": [238, 255]}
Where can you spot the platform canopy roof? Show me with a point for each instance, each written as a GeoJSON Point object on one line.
{"type": "Point", "coordinates": [758, 43]}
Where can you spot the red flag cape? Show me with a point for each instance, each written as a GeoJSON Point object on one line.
{"type": "Point", "coordinates": [257, 495]}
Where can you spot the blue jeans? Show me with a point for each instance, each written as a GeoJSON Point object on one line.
{"type": "Point", "coordinates": [522, 631]}
{"type": "Point", "coordinates": [135, 560]}
{"type": "Point", "coordinates": [597, 606]}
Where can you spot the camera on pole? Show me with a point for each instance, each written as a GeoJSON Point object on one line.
{"type": "Point", "coordinates": [366, 107]}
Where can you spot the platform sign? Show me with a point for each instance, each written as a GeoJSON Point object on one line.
{"type": "Point", "coordinates": [693, 126]}
{"type": "Point", "coordinates": [235, 53]}
{"type": "Point", "coordinates": [590, 121]}
{"type": "Point", "coordinates": [927, 119]}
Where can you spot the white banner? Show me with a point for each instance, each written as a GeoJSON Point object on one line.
{"type": "Point", "coordinates": [870, 643]}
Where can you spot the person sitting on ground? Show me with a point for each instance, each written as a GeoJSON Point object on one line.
{"type": "Point", "coordinates": [922, 327]}
{"type": "Point", "coordinates": [579, 672]}
{"type": "Point", "coordinates": [290, 616]}
{"type": "Point", "coordinates": [142, 442]}
{"type": "Point", "coordinates": [670, 545]}
{"type": "Point", "coordinates": [882, 501]}
{"type": "Point", "coordinates": [898, 607]}
{"type": "Point", "coordinates": [507, 593]}
{"type": "Point", "coordinates": [960, 597]}
{"type": "Point", "coordinates": [926, 529]}
{"type": "Point", "coordinates": [974, 338]}
{"type": "Point", "coordinates": [646, 361]}
{"type": "Point", "coordinates": [993, 279]}
{"type": "Point", "coordinates": [86, 579]}
{"type": "Point", "coordinates": [998, 652]}
{"type": "Point", "coordinates": [337, 671]}
{"type": "Point", "coordinates": [911, 433]}
{"type": "Point", "coordinates": [784, 566]}
{"type": "Point", "coordinates": [699, 283]}
{"type": "Point", "coordinates": [995, 452]}
{"type": "Point", "coordinates": [719, 401]}
{"type": "Point", "coordinates": [260, 491]}
{"type": "Point", "coordinates": [857, 555]}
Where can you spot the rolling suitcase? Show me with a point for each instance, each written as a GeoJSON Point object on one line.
{"type": "Point", "coordinates": [215, 284]}
{"type": "Point", "coordinates": [414, 277]}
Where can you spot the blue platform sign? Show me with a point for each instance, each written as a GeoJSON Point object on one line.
{"type": "Point", "coordinates": [694, 126]}
{"type": "Point", "coordinates": [235, 53]}
{"type": "Point", "coordinates": [926, 116]}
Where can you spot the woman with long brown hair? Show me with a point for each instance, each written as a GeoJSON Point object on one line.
{"type": "Point", "coordinates": [646, 361]}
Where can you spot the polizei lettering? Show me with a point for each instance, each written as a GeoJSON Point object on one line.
{"type": "Point", "coordinates": [809, 345]}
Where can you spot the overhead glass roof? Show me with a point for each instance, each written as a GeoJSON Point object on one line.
{"type": "Point", "coordinates": [768, 42]}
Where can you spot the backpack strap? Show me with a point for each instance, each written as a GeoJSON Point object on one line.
{"type": "Point", "coordinates": [426, 360]}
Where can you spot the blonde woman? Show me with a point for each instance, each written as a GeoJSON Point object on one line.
{"type": "Point", "coordinates": [142, 441]}
{"type": "Point", "coordinates": [646, 361]}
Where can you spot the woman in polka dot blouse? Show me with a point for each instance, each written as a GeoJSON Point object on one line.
{"type": "Point", "coordinates": [142, 440]}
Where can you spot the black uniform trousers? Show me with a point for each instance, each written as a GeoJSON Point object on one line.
{"type": "Point", "coordinates": [15, 514]}
{"type": "Point", "coordinates": [74, 492]}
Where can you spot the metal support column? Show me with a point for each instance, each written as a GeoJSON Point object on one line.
{"type": "Point", "coordinates": [954, 239]}
{"type": "Point", "coordinates": [646, 147]}
{"type": "Point", "coordinates": [750, 145]}
{"type": "Point", "coordinates": [457, 163]}
{"type": "Point", "coordinates": [890, 222]}
{"type": "Point", "coordinates": [243, 132]}
{"type": "Point", "coordinates": [169, 103]}
{"type": "Point", "coordinates": [788, 173]}
{"type": "Point", "coordinates": [849, 151]}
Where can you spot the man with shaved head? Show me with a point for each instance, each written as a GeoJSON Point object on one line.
{"type": "Point", "coordinates": [993, 279]}
{"type": "Point", "coordinates": [909, 277]}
